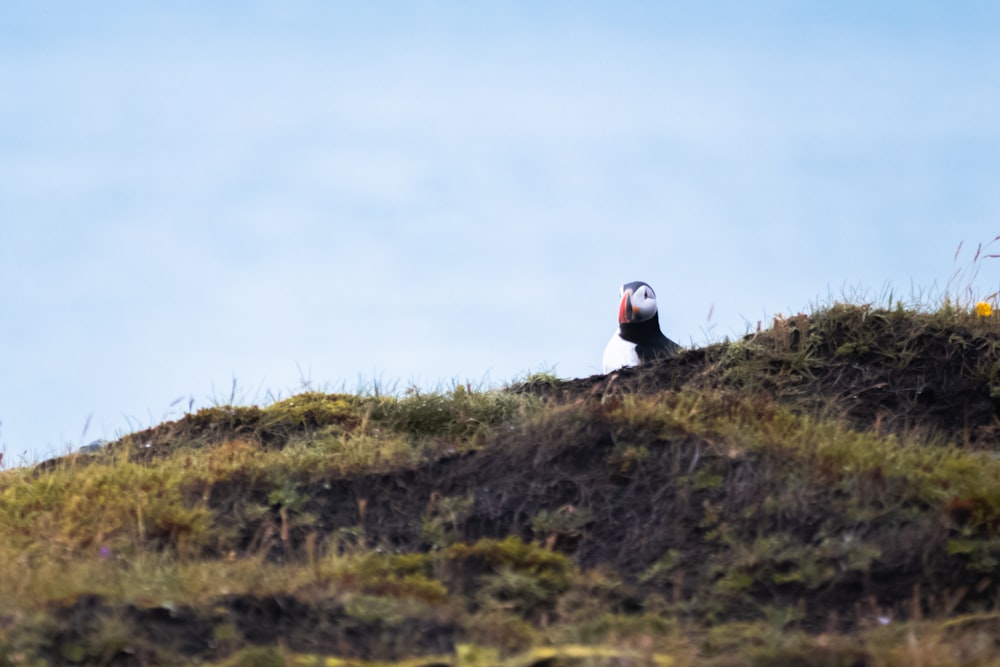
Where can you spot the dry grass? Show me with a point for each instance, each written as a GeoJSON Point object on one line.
{"type": "Point", "coordinates": [819, 510]}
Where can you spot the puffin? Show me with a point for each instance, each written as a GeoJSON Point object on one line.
{"type": "Point", "coordinates": [638, 339]}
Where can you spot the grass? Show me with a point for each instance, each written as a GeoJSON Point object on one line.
{"type": "Point", "coordinates": [822, 492]}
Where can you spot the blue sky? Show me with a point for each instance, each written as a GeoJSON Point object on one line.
{"type": "Point", "coordinates": [426, 193]}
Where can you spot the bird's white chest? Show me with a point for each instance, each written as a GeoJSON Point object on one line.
{"type": "Point", "coordinates": [619, 353]}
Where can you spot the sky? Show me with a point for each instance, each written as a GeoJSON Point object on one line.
{"type": "Point", "coordinates": [204, 203]}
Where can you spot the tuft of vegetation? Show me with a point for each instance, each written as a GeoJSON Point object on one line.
{"type": "Point", "coordinates": [823, 491]}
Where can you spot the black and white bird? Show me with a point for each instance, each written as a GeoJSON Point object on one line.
{"type": "Point", "coordinates": [638, 339]}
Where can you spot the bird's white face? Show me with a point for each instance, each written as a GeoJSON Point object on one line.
{"type": "Point", "coordinates": [638, 303]}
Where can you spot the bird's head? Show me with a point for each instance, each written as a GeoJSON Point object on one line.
{"type": "Point", "coordinates": [638, 303]}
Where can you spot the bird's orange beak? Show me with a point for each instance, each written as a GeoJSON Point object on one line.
{"type": "Point", "coordinates": [625, 309]}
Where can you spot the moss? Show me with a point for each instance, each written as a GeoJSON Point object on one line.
{"type": "Point", "coordinates": [507, 572]}
{"type": "Point", "coordinates": [500, 629]}
{"type": "Point", "coordinates": [310, 411]}
{"type": "Point", "coordinates": [979, 555]}
{"type": "Point", "coordinates": [112, 505]}
{"type": "Point", "coordinates": [460, 413]}
{"type": "Point", "coordinates": [401, 576]}
{"type": "Point", "coordinates": [256, 656]}
{"type": "Point", "coordinates": [705, 479]}
{"type": "Point", "coordinates": [662, 570]}
{"type": "Point", "coordinates": [615, 628]}
{"type": "Point", "coordinates": [514, 553]}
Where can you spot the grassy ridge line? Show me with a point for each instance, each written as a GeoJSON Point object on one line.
{"type": "Point", "coordinates": [213, 518]}
{"type": "Point", "coordinates": [155, 488]}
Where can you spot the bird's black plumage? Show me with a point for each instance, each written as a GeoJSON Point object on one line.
{"type": "Point", "coordinates": [650, 343]}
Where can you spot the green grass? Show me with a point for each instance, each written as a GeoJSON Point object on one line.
{"type": "Point", "coordinates": [822, 492]}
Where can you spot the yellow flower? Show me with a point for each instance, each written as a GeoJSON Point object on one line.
{"type": "Point", "coordinates": [984, 309]}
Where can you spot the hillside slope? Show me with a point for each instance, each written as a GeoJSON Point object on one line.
{"type": "Point", "coordinates": [823, 492]}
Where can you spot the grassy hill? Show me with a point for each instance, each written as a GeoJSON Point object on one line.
{"type": "Point", "coordinates": [824, 492]}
